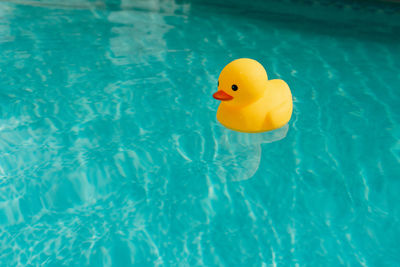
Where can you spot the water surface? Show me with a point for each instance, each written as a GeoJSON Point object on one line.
{"type": "Point", "coordinates": [111, 155]}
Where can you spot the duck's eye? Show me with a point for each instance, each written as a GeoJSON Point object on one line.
{"type": "Point", "coordinates": [234, 87]}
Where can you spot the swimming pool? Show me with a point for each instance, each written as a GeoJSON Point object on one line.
{"type": "Point", "coordinates": [111, 155]}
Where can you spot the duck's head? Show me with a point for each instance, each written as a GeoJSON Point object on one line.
{"type": "Point", "coordinates": [241, 82]}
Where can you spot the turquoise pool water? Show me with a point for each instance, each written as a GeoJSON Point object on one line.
{"type": "Point", "coordinates": [110, 153]}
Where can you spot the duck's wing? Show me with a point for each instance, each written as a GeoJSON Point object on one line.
{"type": "Point", "coordinates": [281, 110]}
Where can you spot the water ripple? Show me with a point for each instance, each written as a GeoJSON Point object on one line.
{"type": "Point", "coordinates": [111, 155]}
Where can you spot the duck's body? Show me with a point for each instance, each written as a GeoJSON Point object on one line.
{"type": "Point", "coordinates": [271, 111]}
{"type": "Point", "coordinates": [257, 104]}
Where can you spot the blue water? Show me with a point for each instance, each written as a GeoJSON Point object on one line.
{"type": "Point", "coordinates": [111, 155]}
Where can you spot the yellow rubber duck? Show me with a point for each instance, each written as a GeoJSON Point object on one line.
{"type": "Point", "coordinates": [250, 102]}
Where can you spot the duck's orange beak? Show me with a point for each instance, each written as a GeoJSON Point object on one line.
{"type": "Point", "coordinates": [221, 95]}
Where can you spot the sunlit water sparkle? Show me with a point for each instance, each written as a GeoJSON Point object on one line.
{"type": "Point", "coordinates": [111, 155]}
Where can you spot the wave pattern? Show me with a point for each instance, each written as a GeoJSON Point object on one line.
{"type": "Point", "coordinates": [110, 153]}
